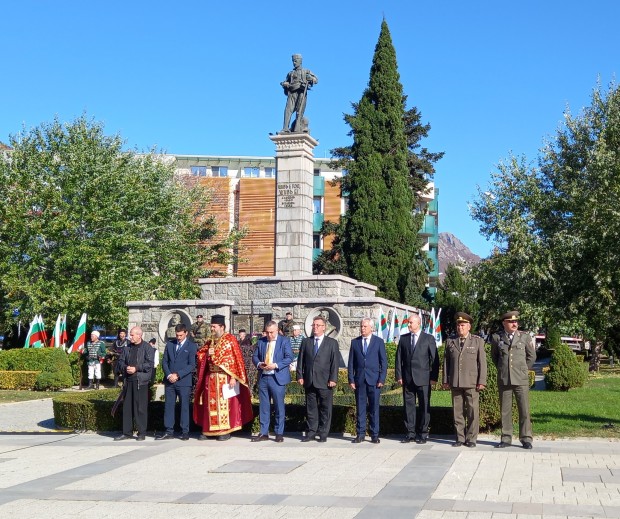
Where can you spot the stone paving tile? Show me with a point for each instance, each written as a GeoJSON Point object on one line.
{"type": "Point", "coordinates": [535, 509]}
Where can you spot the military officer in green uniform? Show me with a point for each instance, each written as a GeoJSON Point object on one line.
{"type": "Point", "coordinates": [200, 331]}
{"type": "Point", "coordinates": [465, 373]}
{"type": "Point", "coordinates": [513, 354]}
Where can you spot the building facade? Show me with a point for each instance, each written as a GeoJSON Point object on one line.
{"type": "Point", "coordinates": [244, 195]}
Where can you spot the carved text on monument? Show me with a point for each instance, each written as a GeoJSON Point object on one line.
{"type": "Point", "coordinates": [288, 193]}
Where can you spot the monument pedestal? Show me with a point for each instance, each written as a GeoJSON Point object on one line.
{"type": "Point", "coordinates": [294, 194]}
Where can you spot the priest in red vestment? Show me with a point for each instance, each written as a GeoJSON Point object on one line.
{"type": "Point", "coordinates": [220, 363]}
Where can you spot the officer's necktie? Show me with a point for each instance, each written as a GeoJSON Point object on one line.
{"type": "Point", "coordinates": [462, 342]}
{"type": "Point", "coordinates": [365, 346]}
{"type": "Point", "coordinates": [316, 346]}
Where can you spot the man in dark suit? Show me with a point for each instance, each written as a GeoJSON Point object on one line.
{"type": "Point", "coordinates": [179, 365]}
{"type": "Point", "coordinates": [417, 368]}
{"type": "Point", "coordinates": [317, 371]}
{"type": "Point", "coordinates": [367, 369]}
{"type": "Point", "coordinates": [272, 357]}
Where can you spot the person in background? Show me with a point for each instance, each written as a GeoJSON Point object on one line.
{"type": "Point", "coordinates": [114, 352]}
{"type": "Point", "coordinates": [95, 354]}
{"type": "Point", "coordinates": [296, 340]}
{"type": "Point", "coordinates": [153, 343]}
{"type": "Point", "coordinates": [247, 350]}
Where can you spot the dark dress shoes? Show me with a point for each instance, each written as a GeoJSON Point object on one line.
{"type": "Point", "coordinates": [202, 438]}
{"type": "Point", "coordinates": [406, 439]}
{"type": "Point", "coordinates": [308, 438]}
{"type": "Point", "coordinates": [421, 441]}
{"type": "Point", "coordinates": [185, 437]}
{"type": "Point", "coordinates": [279, 438]}
{"type": "Point", "coordinates": [261, 438]}
{"type": "Point", "coordinates": [123, 437]}
{"type": "Point", "coordinates": [322, 439]}
{"type": "Point", "coordinates": [375, 440]}
{"type": "Point", "coordinates": [502, 445]}
{"type": "Point", "coordinates": [141, 437]}
{"type": "Point", "coordinates": [165, 436]}
{"type": "Point", "coordinates": [471, 445]}
{"type": "Point", "coordinates": [457, 444]}
{"type": "Point", "coordinates": [358, 439]}
{"type": "Point", "coordinates": [223, 438]}
{"type": "Point", "coordinates": [527, 445]}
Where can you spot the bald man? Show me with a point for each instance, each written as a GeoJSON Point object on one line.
{"type": "Point", "coordinates": [136, 365]}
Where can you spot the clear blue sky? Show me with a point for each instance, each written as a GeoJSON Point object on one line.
{"type": "Point", "coordinates": [202, 77]}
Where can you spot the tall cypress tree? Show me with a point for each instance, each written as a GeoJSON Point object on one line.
{"type": "Point", "coordinates": [380, 243]}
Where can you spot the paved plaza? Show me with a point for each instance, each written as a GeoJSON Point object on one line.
{"type": "Point", "coordinates": [44, 473]}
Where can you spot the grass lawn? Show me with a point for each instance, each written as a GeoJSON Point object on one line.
{"type": "Point", "coordinates": [8, 395]}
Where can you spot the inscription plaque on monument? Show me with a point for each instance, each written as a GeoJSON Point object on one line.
{"type": "Point", "coordinates": [288, 194]}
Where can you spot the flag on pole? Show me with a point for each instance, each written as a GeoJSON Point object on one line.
{"type": "Point", "coordinates": [34, 339]}
{"type": "Point", "coordinates": [44, 338]}
{"type": "Point", "coordinates": [390, 337]}
{"type": "Point", "coordinates": [55, 340]}
{"type": "Point", "coordinates": [64, 339]}
{"type": "Point", "coordinates": [396, 327]}
{"type": "Point", "coordinates": [437, 328]}
{"type": "Point", "coordinates": [378, 324]}
{"type": "Point", "coordinates": [430, 323]}
{"type": "Point", "coordinates": [384, 327]}
{"type": "Point", "coordinates": [403, 326]}
{"type": "Point", "coordinates": [80, 336]}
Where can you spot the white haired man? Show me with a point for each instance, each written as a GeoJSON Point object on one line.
{"type": "Point", "coordinates": [95, 353]}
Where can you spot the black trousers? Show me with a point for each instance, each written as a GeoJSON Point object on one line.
{"type": "Point", "coordinates": [319, 404]}
{"type": "Point", "coordinates": [417, 419]}
{"type": "Point", "coordinates": [135, 407]}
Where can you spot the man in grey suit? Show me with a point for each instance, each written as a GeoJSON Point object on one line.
{"type": "Point", "coordinates": [179, 365]}
{"type": "Point", "coordinates": [513, 354]}
{"type": "Point", "coordinates": [417, 368]}
{"type": "Point", "coordinates": [367, 369]}
{"type": "Point", "coordinates": [465, 373]}
{"type": "Point", "coordinates": [317, 371]}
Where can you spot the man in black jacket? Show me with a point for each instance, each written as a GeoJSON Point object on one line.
{"type": "Point", "coordinates": [136, 365]}
{"type": "Point", "coordinates": [417, 369]}
{"type": "Point", "coordinates": [317, 371]}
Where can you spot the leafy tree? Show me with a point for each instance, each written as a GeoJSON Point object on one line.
{"type": "Point", "coordinates": [557, 224]}
{"type": "Point", "coordinates": [378, 239]}
{"type": "Point", "coordinates": [457, 293]}
{"type": "Point", "coordinates": [86, 226]}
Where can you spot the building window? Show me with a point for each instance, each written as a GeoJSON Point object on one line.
{"type": "Point", "coordinates": [199, 171]}
{"type": "Point", "coordinates": [270, 172]}
{"type": "Point", "coordinates": [317, 172]}
{"type": "Point", "coordinates": [316, 204]}
{"type": "Point", "coordinates": [316, 241]}
{"type": "Point", "coordinates": [250, 172]}
{"type": "Point", "coordinates": [219, 171]}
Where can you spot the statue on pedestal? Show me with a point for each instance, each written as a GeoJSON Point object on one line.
{"type": "Point", "coordinates": [296, 85]}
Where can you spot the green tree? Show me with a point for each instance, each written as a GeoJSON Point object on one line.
{"type": "Point", "coordinates": [457, 293]}
{"type": "Point", "coordinates": [557, 224]}
{"type": "Point", "coordinates": [379, 240]}
{"type": "Point", "coordinates": [86, 226]}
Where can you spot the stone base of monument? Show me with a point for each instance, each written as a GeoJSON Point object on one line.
{"type": "Point", "coordinates": [249, 302]}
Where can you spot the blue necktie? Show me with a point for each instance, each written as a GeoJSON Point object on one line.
{"type": "Point", "coordinates": [365, 346]}
{"type": "Point", "coordinates": [316, 346]}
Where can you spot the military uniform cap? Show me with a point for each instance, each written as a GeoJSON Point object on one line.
{"type": "Point", "coordinates": [511, 316]}
{"type": "Point", "coordinates": [218, 319]}
{"type": "Point", "coordinates": [462, 317]}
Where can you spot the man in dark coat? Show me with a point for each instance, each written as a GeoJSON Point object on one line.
{"type": "Point", "coordinates": [417, 369]}
{"type": "Point", "coordinates": [317, 371]}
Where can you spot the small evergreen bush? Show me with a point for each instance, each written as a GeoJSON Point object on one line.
{"type": "Point", "coordinates": [565, 370]}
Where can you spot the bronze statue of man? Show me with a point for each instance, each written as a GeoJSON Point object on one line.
{"type": "Point", "coordinates": [296, 85]}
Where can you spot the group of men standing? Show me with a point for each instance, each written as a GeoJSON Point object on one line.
{"type": "Point", "coordinates": [222, 399]}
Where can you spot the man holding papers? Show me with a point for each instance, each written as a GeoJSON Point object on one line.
{"type": "Point", "coordinates": [219, 364]}
{"type": "Point", "coordinates": [272, 358]}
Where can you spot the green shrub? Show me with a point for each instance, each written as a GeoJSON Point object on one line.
{"type": "Point", "coordinates": [18, 379]}
{"type": "Point", "coordinates": [53, 361]}
{"type": "Point", "coordinates": [531, 376]}
{"type": "Point", "coordinates": [490, 413]}
{"type": "Point", "coordinates": [553, 339]}
{"type": "Point", "coordinates": [565, 370]}
{"type": "Point", "coordinates": [390, 350]}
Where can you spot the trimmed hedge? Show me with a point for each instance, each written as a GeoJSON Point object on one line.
{"type": "Point", "coordinates": [566, 370]}
{"type": "Point", "coordinates": [52, 363]}
{"type": "Point", "coordinates": [18, 379]}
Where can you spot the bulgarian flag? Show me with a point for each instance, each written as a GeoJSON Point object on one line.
{"type": "Point", "coordinates": [390, 337]}
{"type": "Point", "coordinates": [437, 328]}
{"type": "Point", "coordinates": [36, 334]}
{"type": "Point", "coordinates": [378, 324]}
{"type": "Point", "coordinates": [395, 327]}
{"type": "Point", "coordinates": [403, 325]}
{"type": "Point", "coordinates": [384, 327]}
{"type": "Point", "coordinates": [64, 339]}
{"type": "Point", "coordinates": [80, 336]}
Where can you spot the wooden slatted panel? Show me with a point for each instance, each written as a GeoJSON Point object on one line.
{"type": "Point", "coordinates": [219, 206]}
{"type": "Point", "coordinates": [257, 212]}
{"type": "Point", "coordinates": [331, 209]}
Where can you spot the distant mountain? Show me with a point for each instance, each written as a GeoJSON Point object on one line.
{"type": "Point", "coordinates": [452, 250]}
